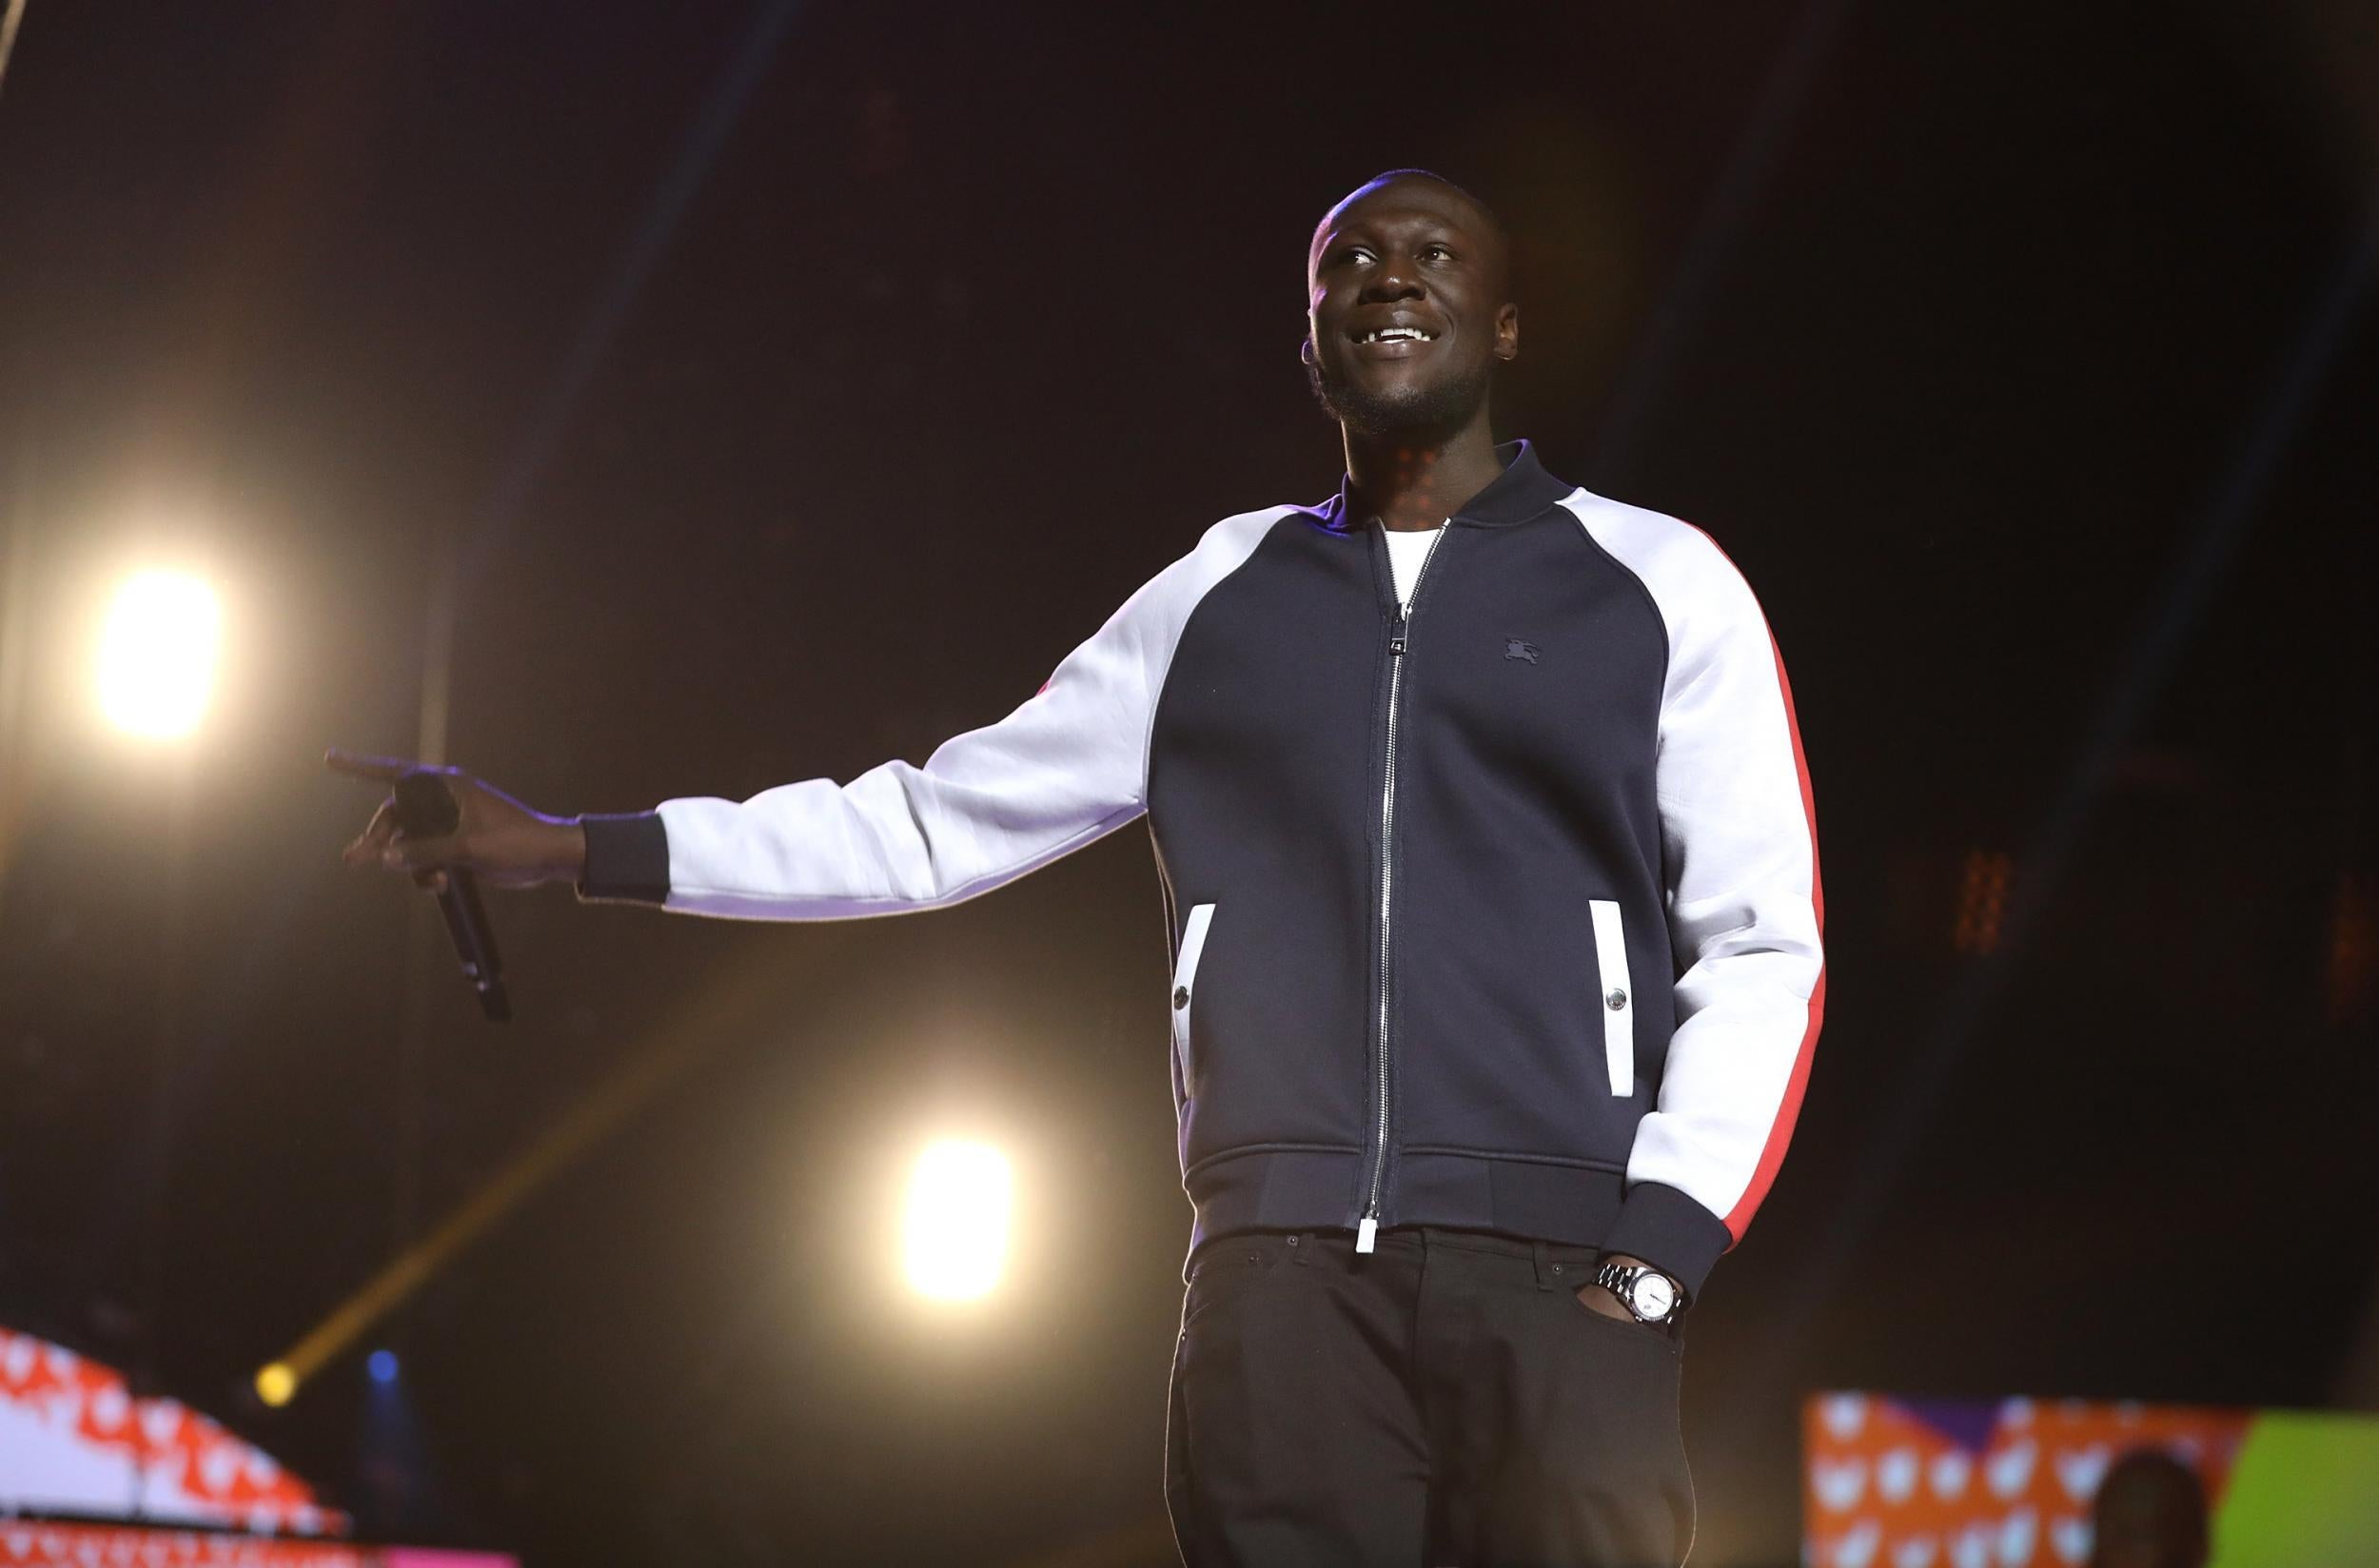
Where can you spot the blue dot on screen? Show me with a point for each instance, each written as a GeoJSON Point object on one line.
{"type": "Point", "coordinates": [383, 1366]}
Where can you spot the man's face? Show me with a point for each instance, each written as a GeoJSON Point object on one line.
{"type": "Point", "coordinates": [2148, 1515]}
{"type": "Point", "coordinates": [1408, 315]}
{"type": "Point", "coordinates": [2148, 1531]}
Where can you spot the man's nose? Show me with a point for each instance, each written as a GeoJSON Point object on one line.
{"type": "Point", "coordinates": [1393, 279]}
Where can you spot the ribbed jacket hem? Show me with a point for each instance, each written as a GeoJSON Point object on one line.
{"type": "Point", "coordinates": [1316, 1189]}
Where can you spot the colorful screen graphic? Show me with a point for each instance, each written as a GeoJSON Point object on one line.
{"type": "Point", "coordinates": [27, 1544]}
{"type": "Point", "coordinates": [1897, 1483]}
{"type": "Point", "coordinates": [74, 1440]}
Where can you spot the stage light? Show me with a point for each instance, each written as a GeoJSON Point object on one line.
{"type": "Point", "coordinates": [157, 656]}
{"type": "Point", "coordinates": [275, 1384]}
{"type": "Point", "coordinates": [382, 1366]}
{"type": "Point", "coordinates": [957, 1223]}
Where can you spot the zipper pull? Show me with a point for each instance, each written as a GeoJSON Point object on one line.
{"type": "Point", "coordinates": [1396, 635]}
{"type": "Point", "coordinates": [1366, 1232]}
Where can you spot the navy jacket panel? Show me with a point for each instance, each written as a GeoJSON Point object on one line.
{"type": "Point", "coordinates": [1262, 768]}
{"type": "Point", "coordinates": [1532, 710]}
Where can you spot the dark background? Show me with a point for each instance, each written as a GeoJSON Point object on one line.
{"type": "Point", "coordinates": [795, 384]}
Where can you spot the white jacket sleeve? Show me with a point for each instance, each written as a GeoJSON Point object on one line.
{"type": "Point", "coordinates": [1745, 905]}
{"type": "Point", "coordinates": [1067, 767]}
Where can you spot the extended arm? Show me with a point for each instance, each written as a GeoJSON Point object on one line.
{"type": "Point", "coordinates": [1067, 766]}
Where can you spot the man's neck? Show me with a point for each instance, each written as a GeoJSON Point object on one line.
{"type": "Point", "coordinates": [1408, 483]}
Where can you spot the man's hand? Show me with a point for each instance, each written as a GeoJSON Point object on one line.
{"type": "Point", "coordinates": [1596, 1298]}
{"type": "Point", "coordinates": [504, 843]}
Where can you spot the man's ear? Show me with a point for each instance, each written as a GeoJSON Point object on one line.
{"type": "Point", "coordinates": [1507, 332]}
{"type": "Point", "coordinates": [1304, 351]}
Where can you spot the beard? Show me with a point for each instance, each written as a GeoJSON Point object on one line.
{"type": "Point", "coordinates": [1418, 414]}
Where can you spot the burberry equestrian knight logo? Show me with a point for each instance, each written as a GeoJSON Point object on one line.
{"type": "Point", "coordinates": [1514, 648]}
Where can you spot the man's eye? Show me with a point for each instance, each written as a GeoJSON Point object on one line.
{"type": "Point", "coordinates": [1436, 252]}
{"type": "Point", "coordinates": [1354, 253]}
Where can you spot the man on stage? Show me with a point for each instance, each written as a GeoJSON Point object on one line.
{"type": "Point", "coordinates": [1491, 868]}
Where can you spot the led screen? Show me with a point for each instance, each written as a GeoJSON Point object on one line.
{"type": "Point", "coordinates": [1902, 1482]}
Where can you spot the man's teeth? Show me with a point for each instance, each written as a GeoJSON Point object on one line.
{"type": "Point", "coordinates": [1395, 334]}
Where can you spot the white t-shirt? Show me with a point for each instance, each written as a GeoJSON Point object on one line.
{"type": "Point", "coordinates": [1406, 549]}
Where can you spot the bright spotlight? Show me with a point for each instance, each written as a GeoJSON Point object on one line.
{"type": "Point", "coordinates": [382, 1366]}
{"type": "Point", "coordinates": [275, 1383]}
{"type": "Point", "coordinates": [957, 1226]}
{"type": "Point", "coordinates": [157, 656]}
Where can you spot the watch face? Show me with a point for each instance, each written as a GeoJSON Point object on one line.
{"type": "Point", "coordinates": [1654, 1296]}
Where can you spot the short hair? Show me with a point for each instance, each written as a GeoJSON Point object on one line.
{"type": "Point", "coordinates": [1389, 177]}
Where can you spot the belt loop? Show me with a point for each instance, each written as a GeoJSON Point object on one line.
{"type": "Point", "coordinates": [1545, 1266]}
{"type": "Point", "coordinates": [1301, 1246]}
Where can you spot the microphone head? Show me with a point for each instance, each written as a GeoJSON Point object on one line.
{"type": "Point", "coordinates": [426, 806]}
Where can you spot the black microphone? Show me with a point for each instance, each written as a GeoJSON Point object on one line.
{"type": "Point", "coordinates": [426, 809]}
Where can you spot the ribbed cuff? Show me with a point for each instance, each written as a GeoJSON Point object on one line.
{"type": "Point", "coordinates": [627, 856]}
{"type": "Point", "coordinates": [1671, 1232]}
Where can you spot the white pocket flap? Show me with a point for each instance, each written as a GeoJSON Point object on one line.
{"type": "Point", "coordinates": [1185, 984]}
{"type": "Point", "coordinates": [1614, 997]}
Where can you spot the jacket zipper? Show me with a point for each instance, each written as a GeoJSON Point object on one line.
{"type": "Point", "coordinates": [1367, 1228]}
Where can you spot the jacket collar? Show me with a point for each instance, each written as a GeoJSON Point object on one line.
{"type": "Point", "coordinates": [1523, 490]}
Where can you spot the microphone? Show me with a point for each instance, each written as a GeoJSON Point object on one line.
{"type": "Point", "coordinates": [426, 809]}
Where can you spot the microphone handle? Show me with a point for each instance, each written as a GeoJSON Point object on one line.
{"type": "Point", "coordinates": [426, 809]}
{"type": "Point", "coordinates": [475, 943]}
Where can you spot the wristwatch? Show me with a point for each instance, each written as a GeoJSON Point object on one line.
{"type": "Point", "coordinates": [1652, 1296]}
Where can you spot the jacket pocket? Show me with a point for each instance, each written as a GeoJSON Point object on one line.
{"type": "Point", "coordinates": [1618, 1003]}
{"type": "Point", "coordinates": [1186, 985]}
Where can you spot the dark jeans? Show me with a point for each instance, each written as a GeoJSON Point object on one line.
{"type": "Point", "coordinates": [1446, 1400]}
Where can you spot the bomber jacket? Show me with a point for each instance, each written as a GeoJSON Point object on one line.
{"type": "Point", "coordinates": [1499, 911]}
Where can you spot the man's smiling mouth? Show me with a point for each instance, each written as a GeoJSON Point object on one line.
{"type": "Point", "coordinates": [1395, 334]}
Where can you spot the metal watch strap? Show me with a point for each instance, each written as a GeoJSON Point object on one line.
{"type": "Point", "coordinates": [1619, 1279]}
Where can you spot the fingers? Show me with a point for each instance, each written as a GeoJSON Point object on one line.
{"type": "Point", "coordinates": [379, 844]}
{"type": "Point", "coordinates": [420, 854]}
{"type": "Point", "coordinates": [376, 836]}
{"type": "Point", "coordinates": [384, 769]}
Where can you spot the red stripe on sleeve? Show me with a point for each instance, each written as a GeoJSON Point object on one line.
{"type": "Point", "coordinates": [1781, 1132]}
